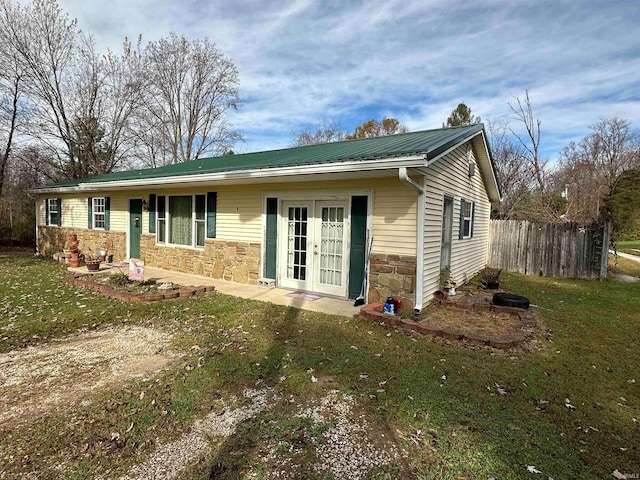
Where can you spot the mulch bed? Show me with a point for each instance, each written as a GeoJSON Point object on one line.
{"type": "Point", "coordinates": [135, 291]}
{"type": "Point", "coordinates": [468, 319]}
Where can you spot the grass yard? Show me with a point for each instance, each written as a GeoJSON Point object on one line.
{"type": "Point", "coordinates": [632, 247]}
{"type": "Point", "coordinates": [571, 410]}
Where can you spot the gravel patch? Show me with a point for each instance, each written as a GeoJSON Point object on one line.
{"type": "Point", "coordinates": [170, 458]}
{"type": "Point", "coordinates": [349, 448]}
{"type": "Point", "coordinates": [42, 379]}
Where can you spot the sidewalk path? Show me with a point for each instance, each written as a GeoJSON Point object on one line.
{"type": "Point", "coordinates": [635, 258]}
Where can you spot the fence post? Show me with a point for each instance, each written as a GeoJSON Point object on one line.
{"type": "Point", "coordinates": [604, 256]}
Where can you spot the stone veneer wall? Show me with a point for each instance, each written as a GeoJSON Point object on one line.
{"type": "Point", "coordinates": [232, 261]}
{"type": "Point", "coordinates": [392, 275]}
{"type": "Point", "coordinates": [53, 239]}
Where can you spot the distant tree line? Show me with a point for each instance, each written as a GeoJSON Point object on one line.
{"type": "Point", "coordinates": [68, 111]}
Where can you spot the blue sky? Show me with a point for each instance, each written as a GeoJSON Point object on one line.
{"type": "Point", "coordinates": [302, 62]}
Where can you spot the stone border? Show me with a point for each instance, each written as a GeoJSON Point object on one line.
{"type": "Point", "coordinates": [526, 320]}
{"type": "Point", "coordinates": [108, 291]}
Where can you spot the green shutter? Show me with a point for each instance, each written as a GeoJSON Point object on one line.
{"type": "Point", "coordinates": [212, 207]}
{"type": "Point", "coordinates": [59, 204]}
{"type": "Point", "coordinates": [152, 213]}
{"type": "Point", "coordinates": [461, 227]}
{"type": "Point", "coordinates": [358, 244]}
{"type": "Point", "coordinates": [46, 211]}
{"type": "Point", "coordinates": [473, 215]}
{"type": "Point", "coordinates": [107, 212]}
{"type": "Point", "coordinates": [90, 210]}
{"type": "Point", "coordinates": [271, 239]}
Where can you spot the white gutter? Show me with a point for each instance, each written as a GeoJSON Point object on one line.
{"type": "Point", "coordinates": [419, 296]}
{"type": "Point", "coordinates": [195, 177]}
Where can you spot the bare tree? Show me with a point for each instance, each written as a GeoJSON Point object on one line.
{"type": "Point", "coordinates": [107, 91]}
{"type": "Point", "coordinates": [589, 170]}
{"type": "Point", "coordinates": [512, 170]}
{"type": "Point", "coordinates": [192, 86]}
{"type": "Point", "coordinates": [12, 78]}
{"type": "Point", "coordinates": [523, 113]}
{"type": "Point", "coordinates": [45, 40]}
{"type": "Point", "coordinates": [613, 147]}
{"type": "Point", "coordinates": [324, 132]}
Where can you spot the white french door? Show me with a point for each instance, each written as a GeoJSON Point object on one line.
{"type": "Point", "coordinates": [314, 246]}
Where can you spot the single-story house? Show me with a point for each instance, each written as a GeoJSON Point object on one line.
{"type": "Point", "coordinates": [301, 218]}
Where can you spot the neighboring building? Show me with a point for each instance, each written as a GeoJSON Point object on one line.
{"type": "Point", "coordinates": [301, 216]}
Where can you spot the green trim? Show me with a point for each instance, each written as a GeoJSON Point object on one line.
{"type": "Point", "coordinates": [135, 210]}
{"type": "Point", "coordinates": [271, 238]}
{"type": "Point", "coordinates": [358, 244]}
{"type": "Point", "coordinates": [59, 204]}
{"type": "Point", "coordinates": [90, 210]}
{"type": "Point", "coordinates": [152, 213]}
{"type": "Point", "coordinates": [107, 212]}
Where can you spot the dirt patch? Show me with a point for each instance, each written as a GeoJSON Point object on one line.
{"type": "Point", "coordinates": [495, 324]}
{"type": "Point", "coordinates": [45, 379]}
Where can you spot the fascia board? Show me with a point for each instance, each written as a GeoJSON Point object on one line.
{"type": "Point", "coordinates": [354, 166]}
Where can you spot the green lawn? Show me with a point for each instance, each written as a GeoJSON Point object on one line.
{"type": "Point", "coordinates": [632, 247]}
{"type": "Point", "coordinates": [461, 428]}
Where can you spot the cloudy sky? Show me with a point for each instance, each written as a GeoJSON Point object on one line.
{"type": "Point", "coordinates": [303, 61]}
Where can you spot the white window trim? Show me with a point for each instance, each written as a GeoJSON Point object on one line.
{"type": "Point", "coordinates": [94, 212]}
{"type": "Point", "coordinates": [167, 220]}
{"type": "Point", "coordinates": [52, 204]}
{"type": "Point", "coordinates": [469, 219]}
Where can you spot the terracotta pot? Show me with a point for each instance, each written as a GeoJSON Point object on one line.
{"type": "Point", "coordinates": [93, 265]}
{"type": "Point", "coordinates": [74, 261]}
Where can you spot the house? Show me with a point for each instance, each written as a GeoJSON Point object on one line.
{"type": "Point", "coordinates": [300, 216]}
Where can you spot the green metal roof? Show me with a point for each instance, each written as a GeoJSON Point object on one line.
{"type": "Point", "coordinates": [430, 143]}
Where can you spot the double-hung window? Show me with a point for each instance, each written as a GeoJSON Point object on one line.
{"type": "Point", "coordinates": [99, 210]}
{"type": "Point", "coordinates": [181, 220]}
{"type": "Point", "coordinates": [466, 219]}
{"type": "Point", "coordinates": [53, 211]}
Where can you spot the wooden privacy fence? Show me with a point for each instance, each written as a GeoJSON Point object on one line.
{"type": "Point", "coordinates": [551, 249]}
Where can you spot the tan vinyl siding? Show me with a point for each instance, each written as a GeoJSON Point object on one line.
{"type": "Point", "coordinates": [449, 176]}
{"type": "Point", "coordinates": [75, 210]}
{"type": "Point", "coordinates": [240, 209]}
{"type": "Point", "coordinates": [394, 209]}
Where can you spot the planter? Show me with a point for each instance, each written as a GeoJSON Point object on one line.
{"type": "Point", "coordinates": [93, 265]}
{"type": "Point", "coordinates": [74, 262]}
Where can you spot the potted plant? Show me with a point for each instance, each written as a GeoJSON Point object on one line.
{"type": "Point", "coordinates": [450, 285]}
{"type": "Point", "coordinates": [92, 261]}
{"type": "Point", "coordinates": [490, 278]}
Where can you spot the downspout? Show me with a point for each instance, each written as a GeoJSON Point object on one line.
{"type": "Point", "coordinates": [419, 296]}
{"type": "Point", "coordinates": [37, 221]}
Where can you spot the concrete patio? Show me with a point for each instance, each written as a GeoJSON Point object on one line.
{"type": "Point", "coordinates": [329, 305]}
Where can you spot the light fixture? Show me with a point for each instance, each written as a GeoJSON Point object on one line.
{"type": "Point", "coordinates": [145, 205]}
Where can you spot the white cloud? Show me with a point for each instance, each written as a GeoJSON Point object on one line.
{"type": "Point", "coordinates": [302, 61]}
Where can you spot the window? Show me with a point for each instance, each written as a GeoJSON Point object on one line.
{"type": "Point", "coordinates": [98, 212]}
{"type": "Point", "coordinates": [200, 220]}
{"type": "Point", "coordinates": [466, 219]}
{"type": "Point", "coordinates": [161, 228]}
{"type": "Point", "coordinates": [54, 214]}
{"type": "Point", "coordinates": [98, 209]}
{"type": "Point", "coordinates": [181, 220]}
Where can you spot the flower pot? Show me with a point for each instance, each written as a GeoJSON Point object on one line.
{"type": "Point", "coordinates": [93, 265]}
{"type": "Point", "coordinates": [74, 262]}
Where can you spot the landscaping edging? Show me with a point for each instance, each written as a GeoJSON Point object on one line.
{"type": "Point", "coordinates": [526, 321]}
{"type": "Point", "coordinates": [108, 291]}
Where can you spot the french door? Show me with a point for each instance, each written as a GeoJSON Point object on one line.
{"type": "Point", "coordinates": [314, 246]}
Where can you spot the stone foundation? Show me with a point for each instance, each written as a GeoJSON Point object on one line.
{"type": "Point", "coordinates": [393, 275]}
{"type": "Point", "coordinates": [232, 261]}
{"type": "Point", "coordinates": [53, 240]}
